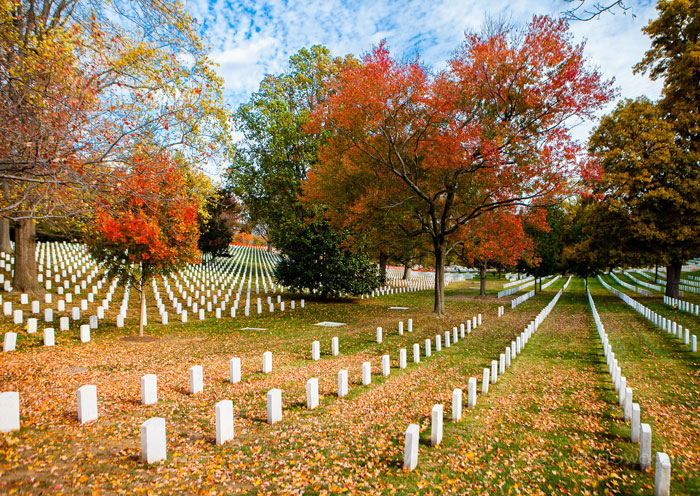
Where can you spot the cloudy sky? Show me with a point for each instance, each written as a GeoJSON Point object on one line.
{"type": "Point", "coordinates": [249, 38]}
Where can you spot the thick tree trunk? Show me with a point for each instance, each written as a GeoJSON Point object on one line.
{"type": "Point", "coordinates": [439, 250]}
{"type": "Point", "coordinates": [269, 247]}
{"type": "Point", "coordinates": [673, 279]}
{"type": "Point", "coordinates": [500, 272]}
{"type": "Point", "coordinates": [5, 244]}
{"type": "Point", "coordinates": [25, 278]}
{"type": "Point", "coordinates": [382, 267]}
{"type": "Point", "coordinates": [482, 276]}
{"type": "Point", "coordinates": [406, 272]}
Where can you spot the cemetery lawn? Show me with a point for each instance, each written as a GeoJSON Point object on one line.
{"type": "Point", "coordinates": [550, 425]}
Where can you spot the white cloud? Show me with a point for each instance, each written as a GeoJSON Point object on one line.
{"type": "Point", "coordinates": [251, 38]}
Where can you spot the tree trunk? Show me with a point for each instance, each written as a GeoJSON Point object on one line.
{"type": "Point", "coordinates": [673, 279]}
{"type": "Point", "coordinates": [406, 272]}
{"type": "Point", "coordinates": [482, 276]}
{"type": "Point", "coordinates": [25, 278]}
{"type": "Point", "coordinates": [269, 247]}
{"type": "Point", "coordinates": [540, 283]}
{"type": "Point", "coordinates": [439, 250]}
{"type": "Point", "coordinates": [382, 267]}
{"type": "Point", "coordinates": [142, 313]}
{"type": "Point", "coordinates": [500, 272]}
{"type": "Point", "coordinates": [5, 244]}
{"type": "Point", "coordinates": [656, 274]}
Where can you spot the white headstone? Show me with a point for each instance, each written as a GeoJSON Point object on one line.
{"type": "Point", "coordinates": [335, 346]}
{"type": "Point", "coordinates": [312, 393]}
{"type": "Point", "coordinates": [18, 317]}
{"type": "Point", "coordinates": [428, 352]}
{"type": "Point", "coordinates": [224, 421]}
{"type": "Point", "coordinates": [662, 475]}
{"type": "Point", "coordinates": [379, 335]}
{"type": "Point", "coordinates": [267, 362]}
{"type": "Point", "coordinates": [456, 405]}
{"type": "Point", "coordinates": [471, 393]}
{"type": "Point", "coordinates": [315, 350]}
{"type": "Point", "coordinates": [153, 440]}
{"type": "Point", "coordinates": [32, 325]}
{"type": "Point", "coordinates": [196, 379]}
{"type": "Point", "coordinates": [635, 421]}
{"type": "Point", "coordinates": [485, 381]}
{"type": "Point", "coordinates": [645, 447]}
{"type": "Point", "coordinates": [234, 369]}
{"type": "Point", "coordinates": [274, 405]}
{"type": "Point", "coordinates": [49, 339]}
{"type": "Point", "coordinates": [386, 365]}
{"type": "Point", "coordinates": [402, 358]}
{"type": "Point", "coordinates": [436, 425]}
{"type": "Point", "coordinates": [410, 453]}
{"type": "Point", "coordinates": [494, 371]}
{"type": "Point", "coordinates": [9, 411]}
{"type": "Point", "coordinates": [87, 404]}
{"type": "Point", "coordinates": [628, 405]}
{"type": "Point", "coordinates": [366, 373]}
{"type": "Point", "coordinates": [10, 342]}
{"type": "Point", "coordinates": [342, 383]}
{"type": "Point", "coordinates": [410, 325]}
{"type": "Point", "coordinates": [416, 353]}
{"type": "Point", "coordinates": [149, 389]}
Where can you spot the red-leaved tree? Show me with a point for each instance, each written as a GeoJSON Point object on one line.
{"type": "Point", "coordinates": [148, 226]}
{"type": "Point", "coordinates": [488, 132]}
{"type": "Point", "coordinates": [496, 238]}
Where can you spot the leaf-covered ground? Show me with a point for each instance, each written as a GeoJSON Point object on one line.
{"type": "Point", "coordinates": [550, 425]}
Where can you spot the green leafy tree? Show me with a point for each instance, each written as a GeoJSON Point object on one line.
{"type": "Point", "coordinates": [276, 154]}
{"type": "Point", "coordinates": [218, 223]}
{"type": "Point", "coordinates": [548, 244]}
{"type": "Point", "coordinates": [314, 256]}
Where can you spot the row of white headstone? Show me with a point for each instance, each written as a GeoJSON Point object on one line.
{"type": "Point", "coordinates": [648, 285]}
{"type": "Point", "coordinates": [631, 287]}
{"type": "Point", "coordinates": [521, 299]}
{"type": "Point", "coordinates": [668, 325]}
{"type": "Point", "coordinates": [639, 433]}
{"type": "Point", "coordinates": [683, 306]}
{"type": "Point", "coordinates": [489, 376]}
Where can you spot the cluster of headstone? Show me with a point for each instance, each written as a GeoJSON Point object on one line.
{"type": "Point", "coordinates": [668, 325]}
{"type": "Point", "coordinates": [489, 376]}
{"type": "Point", "coordinates": [521, 299]}
{"type": "Point", "coordinates": [639, 433]}
{"type": "Point", "coordinates": [550, 282]}
{"type": "Point", "coordinates": [689, 283]}
{"type": "Point", "coordinates": [683, 306]}
{"type": "Point", "coordinates": [631, 287]}
{"type": "Point", "coordinates": [648, 285]}
{"type": "Point", "coordinates": [519, 286]}
{"type": "Point", "coordinates": [198, 290]}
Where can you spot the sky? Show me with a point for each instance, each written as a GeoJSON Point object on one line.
{"type": "Point", "coordinates": [249, 39]}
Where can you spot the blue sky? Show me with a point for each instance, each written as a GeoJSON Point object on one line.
{"type": "Point", "coordinates": [249, 39]}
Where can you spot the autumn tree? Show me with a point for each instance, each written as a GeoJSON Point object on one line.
{"type": "Point", "coordinates": [486, 133]}
{"type": "Point", "coordinates": [82, 82]}
{"type": "Point", "coordinates": [648, 188]}
{"type": "Point", "coordinates": [495, 238]}
{"type": "Point", "coordinates": [149, 227]}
